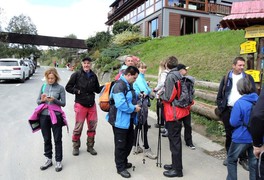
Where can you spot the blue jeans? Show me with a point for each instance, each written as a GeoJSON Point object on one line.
{"type": "Point", "coordinates": [232, 158]}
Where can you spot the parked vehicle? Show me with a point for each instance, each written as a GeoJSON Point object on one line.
{"type": "Point", "coordinates": [31, 66]}
{"type": "Point", "coordinates": [13, 69]}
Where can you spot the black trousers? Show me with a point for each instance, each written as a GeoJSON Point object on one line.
{"type": "Point", "coordinates": [187, 130]}
{"type": "Point", "coordinates": [160, 113]}
{"type": "Point", "coordinates": [144, 132]}
{"type": "Point", "coordinates": [225, 117]}
{"type": "Point", "coordinates": [123, 139]}
{"type": "Point", "coordinates": [174, 134]}
{"type": "Point", "coordinates": [46, 128]}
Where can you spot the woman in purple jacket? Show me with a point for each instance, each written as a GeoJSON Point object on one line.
{"type": "Point", "coordinates": [52, 94]}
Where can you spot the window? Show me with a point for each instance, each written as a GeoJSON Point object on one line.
{"type": "Point", "coordinates": [189, 25]}
{"type": "Point", "coordinates": [150, 10]}
{"type": "Point", "coordinates": [158, 6]}
{"type": "Point", "coordinates": [140, 16]}
{"type": "Point", "coordinates": [149, 3]}
{"type": "Point", "coordinates": [154, 28]}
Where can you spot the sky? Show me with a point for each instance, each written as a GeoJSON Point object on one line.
{"type": "Point", "coordinates": [60, 18]}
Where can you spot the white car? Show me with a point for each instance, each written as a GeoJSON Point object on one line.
{"type": "Point", "coordinates": [13, 69]}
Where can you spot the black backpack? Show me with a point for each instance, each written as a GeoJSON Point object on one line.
{"type": "Point", "coordinates": [185, 87]}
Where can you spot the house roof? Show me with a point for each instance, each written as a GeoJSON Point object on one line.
{"type": "Point", "coordinates": [244, 14]}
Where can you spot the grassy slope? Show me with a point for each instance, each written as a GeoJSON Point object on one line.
{"type": "Point", "coordinates": [209, 55]}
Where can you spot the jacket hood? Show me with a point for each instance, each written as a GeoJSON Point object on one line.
{"type": "Point", "coordinates": [252, 97]}
{"type": "Point", "coordinates": [175, 72]}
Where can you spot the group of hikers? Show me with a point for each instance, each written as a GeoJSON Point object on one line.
{"type": "Point", "coordinates": [129, 102]}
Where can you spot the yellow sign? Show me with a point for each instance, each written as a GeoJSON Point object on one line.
{"type": "Point", "coordinates": [248, 47]}
{"type": "Point", "coordinates": [255, 74]}
{"type": "Point", "coordinates": [254, 31]}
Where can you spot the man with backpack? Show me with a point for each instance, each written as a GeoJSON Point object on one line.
{"type": "Point", "coordinates": [84, 84]}
{"type": "Point", "coordinates": [189, 81]}
{"type": "Point", "coordinates": [122, 115]}
{"type": "Point", "coordinates": [173, 116]}
{"type": "Point", "coordinates": [226, 98]}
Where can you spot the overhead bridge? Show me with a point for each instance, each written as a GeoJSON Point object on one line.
{"type": "Point", "coordinates": [42, 40]}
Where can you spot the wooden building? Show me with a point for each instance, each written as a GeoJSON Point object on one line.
{"type": "Point", "coordinates": [170, 17]}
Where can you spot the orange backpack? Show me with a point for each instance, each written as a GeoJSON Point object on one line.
{"type": "Point", "coordinates": [104, 97]}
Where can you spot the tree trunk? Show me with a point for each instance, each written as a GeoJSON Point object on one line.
{"type": "Point", "coordinates": [206, 95]}
{"type": "Point", "coordinates": [205, 110]}
{"type": "Point", "coordinates": [209, 85]}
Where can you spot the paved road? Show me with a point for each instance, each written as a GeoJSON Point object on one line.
{"type": "Point", "coordinates": [21, 152]}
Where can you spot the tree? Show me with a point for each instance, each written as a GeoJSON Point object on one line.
{"type": "Point", "coordinates": [23, 25]}
{"type": "Point", "coordinates": [99, 41]}
{"type": "Point", "coordinates": [120, 27]}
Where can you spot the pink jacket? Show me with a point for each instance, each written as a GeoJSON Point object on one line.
{"type": "Point", "coordinates": [34, 118]}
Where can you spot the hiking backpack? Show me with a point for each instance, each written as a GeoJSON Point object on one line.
{"type": "Point", "coordinates": [104, 97]}
{"type": "Point", "coordinates": [185, 87]}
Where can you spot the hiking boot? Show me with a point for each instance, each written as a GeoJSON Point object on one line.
{"type": "Point", "coordinates": [124, 174]}
{"type": "Point", "coordinates": [58, 167]}
{"type": "Point", "coordinates": [148, 153]}
{"type": "Point", "coordinates": [75, 151]}
{"type": "Point", "coordinates": [46, 165]}
{"type": "Point", "coordinates": [90, 145]}
{"type": "Point", "coordinates": [91, 150]}
{"type": "Point", "coordinates": [76, 145]}
{"type": "Point", "coordinates": [172, 173]}
{"type": "Point", "coordinates": [137, 150]}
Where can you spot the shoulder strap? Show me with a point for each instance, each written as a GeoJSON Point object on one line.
{"type": "Point", "coordinates": [43, 88]}
{"type": "Point", "coordinates": [225, 82]}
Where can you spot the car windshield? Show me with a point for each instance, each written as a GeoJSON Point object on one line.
{"type": "Point", "coordinates": [8, 63]}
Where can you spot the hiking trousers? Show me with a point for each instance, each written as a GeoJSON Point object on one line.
{"type": "Point", "coordinates": [46, 127]}
{"type": "Point", "coordinates": [123, 139]}
{"type": "Point", "coordinates": [174, 135]}
{"type": "Point", "coordinates": [83, 113]}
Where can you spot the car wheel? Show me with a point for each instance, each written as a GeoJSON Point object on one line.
{"type": "Point", "coordinates": [23, 79]}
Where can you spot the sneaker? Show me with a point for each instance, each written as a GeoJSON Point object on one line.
{"type": "Point", "coordinates": [46, 165]}
{"type": "Point", "coordinates": [137, 150]}
{"type": "Point", "coordinates": [191, 146]}
{"type": "Point", "coordinates": [165, 134]}
{"type": "Point", "coordinates": [148, 153]}
{"type": "Point", "coordinates": [244, 164]}
{"type": "Point", "coordinates": [163, 130]}
{"type": "Point", "coordinates": [58, 167]}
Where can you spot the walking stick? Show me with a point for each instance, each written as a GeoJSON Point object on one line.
{"type": "Point", "coordinates": [159, 136]}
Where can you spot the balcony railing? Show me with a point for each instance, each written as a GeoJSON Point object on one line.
{"type": "Point", "coordinates": [219, 9]}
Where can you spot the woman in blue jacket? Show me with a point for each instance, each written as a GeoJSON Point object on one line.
{"type": "Point", "coordinates": [241, 137]}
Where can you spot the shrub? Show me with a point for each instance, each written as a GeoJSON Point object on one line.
{"type": "Point", "coordinates": [127, 38]}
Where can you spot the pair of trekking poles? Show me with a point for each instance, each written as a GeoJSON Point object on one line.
{"type": "Point", "coordinates": [140, 131]}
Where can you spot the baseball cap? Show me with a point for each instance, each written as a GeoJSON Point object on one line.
{"type": "Point", "coordinates": [87, 59]}
{"type": "Point", "coordinates": [182, 66]}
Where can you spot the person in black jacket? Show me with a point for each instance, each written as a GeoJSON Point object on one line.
{"type": "Point", "coordinates": [226, 98]}
{"type": "Point", "coordinates": [257, 132]}
{"type": "Point", "coordinates": [84, 84]}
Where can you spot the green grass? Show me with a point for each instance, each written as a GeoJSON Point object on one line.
{"type": "Point", "coordinates": [209, 55]}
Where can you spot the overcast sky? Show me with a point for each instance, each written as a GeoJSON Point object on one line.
{"type": "Point", "coordinates": [60, 17]}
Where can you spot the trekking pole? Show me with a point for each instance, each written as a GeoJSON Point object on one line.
{"type": "Point", "coordinates": [142, 127]}
{"type": "Point", "coordinates": [159, 137]}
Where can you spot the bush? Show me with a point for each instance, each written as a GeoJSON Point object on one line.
{"type": "Point", "coordinates": [127, 38]}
